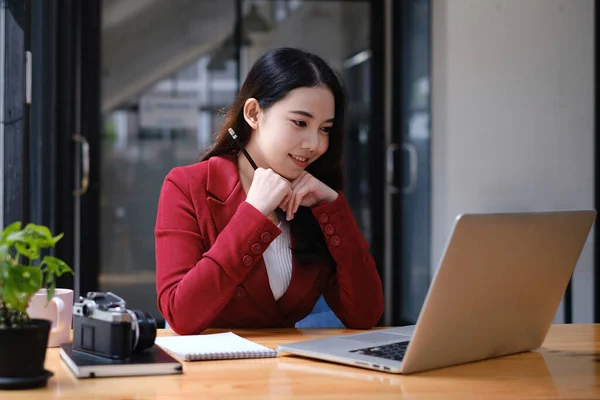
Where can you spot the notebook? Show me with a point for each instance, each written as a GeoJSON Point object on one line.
{"type": "Point", "coordinates": [152, 361]}
{"type": "Point", "coordinates": [218, 346]}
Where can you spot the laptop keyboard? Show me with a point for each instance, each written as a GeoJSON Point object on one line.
{"type": "Point", "coordinates": [393, 351]}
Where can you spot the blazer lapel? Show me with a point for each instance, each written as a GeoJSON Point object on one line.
{"type": "Point", "coordinates": [304, 278]}
{"type": "Point", "coordinates": [225, 196]}
{"type": "Point", "coordinates": [258, 288]}
{"type": "Point", "coordinates": [225, 190]}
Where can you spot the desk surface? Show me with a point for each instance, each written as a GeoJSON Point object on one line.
{"type": "Point", "coordinates": [567, 366]}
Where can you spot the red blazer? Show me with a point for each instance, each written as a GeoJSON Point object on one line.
{"type": "Point", "coordinates": [209, 266]}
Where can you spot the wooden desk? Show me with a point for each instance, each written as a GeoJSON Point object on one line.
{"type": "Point", "coordinates": [567, 366]}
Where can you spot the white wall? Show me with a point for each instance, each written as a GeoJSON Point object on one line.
{"type": "Point", "coordinates": [513, 115]}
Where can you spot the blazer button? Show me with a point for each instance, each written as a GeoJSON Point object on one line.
{"type": "Point", "coordinates": [247, 260]}
{"type": "Point", "coordinates": [329, 229]}
{"type": "Point", "coordinates": [336, 241]}
{"type": "Point", "coordinates": [240, 293]}
{"type": "Point", "coordinates": [265, 237]}
{"type": "Point", "coordinates": [323, 218]}
{"type": "Point", "coordinates": [256, 248]}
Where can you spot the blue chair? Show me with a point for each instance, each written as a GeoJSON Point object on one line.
{"type": "Point", "coordinates": [320, 317]}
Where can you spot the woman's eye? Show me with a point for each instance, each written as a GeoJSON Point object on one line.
{"type": "Point", "coordinates": [301, 124]}
{"type": "Point", "coordinates": [326, 129]}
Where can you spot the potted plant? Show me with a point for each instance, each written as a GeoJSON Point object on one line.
{"type": "Point", "coordinates": [23, 341]}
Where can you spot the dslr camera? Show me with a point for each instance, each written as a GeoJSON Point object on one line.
{"type": "Point", "coordinates": [103, 326]}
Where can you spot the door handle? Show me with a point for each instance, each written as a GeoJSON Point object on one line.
{"type": "Point", "coordinates": [389, 161]}
{"type": "Point", "coordinates": [85, 161]}
{"type": "Point", "coordinates": [413, 168]}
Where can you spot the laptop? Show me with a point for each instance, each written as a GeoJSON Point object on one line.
{"type": "Point", "coordinates": [496, 291]}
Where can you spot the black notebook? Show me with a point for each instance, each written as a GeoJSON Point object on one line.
{"type": "Point", "coordinates": [152, 361]}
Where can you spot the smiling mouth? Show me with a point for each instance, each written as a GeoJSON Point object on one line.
{"type": "Point", "coordinates": [301, 162]}
{"type": "Point", "coordinates": [300, 159]}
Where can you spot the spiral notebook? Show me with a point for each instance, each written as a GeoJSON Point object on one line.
{"type": "Point", "coordinates": [218, 346]}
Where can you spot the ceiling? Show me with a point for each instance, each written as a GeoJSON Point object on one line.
{"type": "Point", "coordinates": [144, 41]}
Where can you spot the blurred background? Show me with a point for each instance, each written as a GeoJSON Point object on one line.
{"type": "Point", "coordinates": [454, 106]}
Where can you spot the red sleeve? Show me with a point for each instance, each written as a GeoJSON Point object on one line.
{"type": "Point", "coordinates": [354, 290]}
{"type": "Point", "coordinates": [194, 283]}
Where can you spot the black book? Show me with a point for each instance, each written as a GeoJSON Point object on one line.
{"type": "Point", "coordinates": [152, 361]}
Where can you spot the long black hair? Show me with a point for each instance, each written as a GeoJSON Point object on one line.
{"type": "Point", "coordinates": [271, 78]}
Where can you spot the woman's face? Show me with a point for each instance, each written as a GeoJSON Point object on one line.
{"type": "Point", "coordinates": [294, 132]}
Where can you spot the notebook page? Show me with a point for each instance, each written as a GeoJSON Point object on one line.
{"type": "Point", "coordinates": [213, 346]}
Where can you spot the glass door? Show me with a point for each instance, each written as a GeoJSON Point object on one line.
{"type": "Point", "coordinates": [164, 84]}
{"type": "Point", "coordinates": [409, 184]}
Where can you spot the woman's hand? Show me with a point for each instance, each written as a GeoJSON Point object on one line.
{"type": "Point", "coordinates": [307, 191]}
{"type": "Point", "coordinates": [268, 190]}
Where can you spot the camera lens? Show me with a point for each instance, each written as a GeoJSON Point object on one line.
{"type": "Point", "coordinates": [144, 330]}
{"type": "Point", "coordinates": [86, 310]}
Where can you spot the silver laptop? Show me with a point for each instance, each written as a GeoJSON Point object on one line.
{"type": "Point", "coordinates": [496, 291]}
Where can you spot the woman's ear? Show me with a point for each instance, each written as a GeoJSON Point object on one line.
{"type": "Point", "coordinates": [251, 111]}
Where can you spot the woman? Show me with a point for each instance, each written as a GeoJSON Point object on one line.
{"type": "Point", "coordinates": [244, 248]}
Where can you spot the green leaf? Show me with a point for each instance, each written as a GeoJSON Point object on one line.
{"type": "Point", "coordinates": [4, 252]}
{"type": "Point", "coordinates": [15, 226]}
{"type": "Point", "coordinates": [4, 266]}
{"type": "Point", "coordinates": [50, 283]}
{"type": "Point", "coordinates": [44, 233]}
{"type": "Point", "coordinates": [50, 290]}
{"type": "Point", "coordinates": [32, 234]}
{"type": "Point", "coordinates": [56, 238]}
{"type": "Point", "coordinates": [53, 267]}
{"type": "Point", "coordinates": [20, 283]}
{"type": "Point", "coordinates": [41, 230]}
{"type": "Point", "coordinates": [56, 265]}
{"type": "Point", "coordinates": [30, 251]}
{"type": "Point", "coordinates": [29, 279]}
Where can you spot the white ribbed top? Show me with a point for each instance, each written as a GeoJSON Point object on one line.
{"type": "Point", "coordinates": [278, 260]}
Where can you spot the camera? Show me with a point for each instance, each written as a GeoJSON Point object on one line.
{"type": "Point", "coordinates": [103, 326]}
